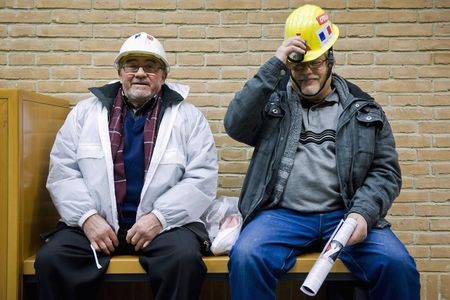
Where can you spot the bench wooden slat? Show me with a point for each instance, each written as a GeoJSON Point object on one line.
{"type": "Point", "coordinates": [128, 264]}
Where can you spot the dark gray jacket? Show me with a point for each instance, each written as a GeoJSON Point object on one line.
{"type": "Point", "coordinates": [367, 163]}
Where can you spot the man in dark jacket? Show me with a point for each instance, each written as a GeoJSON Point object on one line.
{"type": "Point", "coordinates": [323, 151]}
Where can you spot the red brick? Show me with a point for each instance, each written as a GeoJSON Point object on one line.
{"type": "Point", "coordinates": [152, 16]}
{"type": "Point", "coordinates": [431, 210]}
{"type": "Point", "coordinates": [21, 59]}
{"type": "Point", "coordinates": [194, 73]}
{"type": "Point", "coordinates": [409, 224]}
{"type": "Point", "coordinates": [397, 86]}
{"type": "Point", "coordinates": [360, 17]}
{"type": "Point", "coordinates": [80, 4]}
{"type": "Point", "coordinates": [191, 18]}
{"type": "Point", "coordinates": [190, 4]}
{"type": "Point", "coordinates": [399, 30]}
{"type": "Point", "coordinates": [440, 251]}
{"type": "Point", "coordinates": [405, 4]}
{"type": "Point", "coordinates": [231, 181]}
{"type": "Point", "coordinates": [106, 4]}
{"type": "Point", "coordinates": [65, 72]}
{"type": "Point", "coordinates": [433, 182]}
{"type": "Point", "coordinates": [409, 169]}
{"type": "Point", "coordinates": [445, 286]}
{"type": "Point", "coordinates": [233, 4]}
{"type": "Point", "coordinates": [149, 4]}
{"type": "Point", "coordinates": [97, 72]}
{"type": "Point", "coordinates": [17, 3]}
{"type": "Point", "coordinates": [442, 58]}
{"type": "Point", "coordinates": [99, 16]}
{"type": "Point", "coordinates": [233, 46]}
{"type": "Point", "coordinates": [232, 17]}
{"type": "Point", "coordinates": [233, 167]}
{"type": "Point", "coordinates": [26, 16]}
{"type": "Point", "coordinates": [432, 238]}
{"type": "Point", "coordinates": [234, 73]}
{"type": "Point", "coordinates": [440, 225]}
{"type": "Point", "coordinates": [193, 32]}
{"type": "Point", "coordinates": [434, 44]}
{"type": "Point", "coordinates": [409, 113]}
{"type": "Point", "coordinates": [432, 286]}
{"type": "Point", "coordinates": [233, 59]}
{"type": "Point", "coordinates": [441, 168]}
{"type": "Point", "coordinates": [233, 154]}
{"type": "Point", "coordinates": [249, 31]}
{"type": "Point", "coordinates": [269, 17]}
{"type": "Point", "coordinates": [38, 73]}
{"type": "Point", "coordinates": [435, 127]}
{"type": "Point", "coordinates": [64, 31]}
{"type": "Point", "coordinates": [413, 196]}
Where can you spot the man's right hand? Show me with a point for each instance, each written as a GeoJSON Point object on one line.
{"type": "Point", "coordinates": [100, 234]}
{"type": "Point", "coordinates": [293, 44]}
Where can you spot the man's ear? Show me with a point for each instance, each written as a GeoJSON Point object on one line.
{"type": "Point", "coordinates": [118, 73]}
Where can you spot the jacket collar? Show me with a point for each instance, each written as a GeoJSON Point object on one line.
{"type": "Point", "coordinates": [107, 93]}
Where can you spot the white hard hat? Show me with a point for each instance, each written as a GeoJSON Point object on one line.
{"type": "Point", "coordinates": [142, 44]}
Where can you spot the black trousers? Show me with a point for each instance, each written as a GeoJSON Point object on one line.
{"type": "Point", "coordinates": [66, 269]}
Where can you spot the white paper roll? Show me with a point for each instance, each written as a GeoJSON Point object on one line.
{"type": "Point", "coordinates": [316, 276]}
{"type": "Point", "coordinates": [329, 254]}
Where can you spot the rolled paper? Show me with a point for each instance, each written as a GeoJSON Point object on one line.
{"type": "Point", "coordinates": [327, 258]}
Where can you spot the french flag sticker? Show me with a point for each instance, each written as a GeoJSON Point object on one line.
{"type": "Point", "coordinates": [325, 33]}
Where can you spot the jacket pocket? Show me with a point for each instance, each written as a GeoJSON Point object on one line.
{"type": "Point", "coordinates": [369, 121]}
{"type": "Point", "coordinates": [92, 165]}
{"type": "Point", "coordinates": [89, 151]}
{"type": "Point", "coordinates": [173, 156]}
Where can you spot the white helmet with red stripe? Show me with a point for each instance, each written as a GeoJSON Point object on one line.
{"type": "Point", "coordinates": [142, 44]}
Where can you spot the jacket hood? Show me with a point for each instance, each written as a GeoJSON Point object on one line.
{"type": "Point", "coordinates": [349, 91]}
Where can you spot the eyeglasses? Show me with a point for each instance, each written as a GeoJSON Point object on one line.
{"type": "Point", "coordinates": [151, 67]}
{"type": "Point", "coordinates": [313, 65]}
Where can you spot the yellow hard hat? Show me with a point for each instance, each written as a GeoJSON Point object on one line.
{"type": "Point", "coordinates": [312, 24]}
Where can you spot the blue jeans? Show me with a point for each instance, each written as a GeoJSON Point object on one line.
{"type": "Point", "coordinates": [268, 245]}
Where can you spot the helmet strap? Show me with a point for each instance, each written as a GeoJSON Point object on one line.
{"type": "Point", "coordinates": [330, 62]}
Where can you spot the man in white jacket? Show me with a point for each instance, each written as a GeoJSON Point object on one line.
{"type": "Point", "coordinates": [131, 171]}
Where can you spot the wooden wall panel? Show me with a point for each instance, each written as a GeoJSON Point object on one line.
{"type": "Point", "coordinates": [3, 195]}
{"type": "Point", "coordinates": [28, 126]}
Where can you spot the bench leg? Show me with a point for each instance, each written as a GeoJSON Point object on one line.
{"type": "Point", "coordinates": [346, 291]}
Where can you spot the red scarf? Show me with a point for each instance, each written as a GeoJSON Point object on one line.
{"type": "Point", "coordinates": [117, 116]}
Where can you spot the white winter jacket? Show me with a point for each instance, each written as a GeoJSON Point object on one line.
{"type": "Point", "coordinates": [181, 180]}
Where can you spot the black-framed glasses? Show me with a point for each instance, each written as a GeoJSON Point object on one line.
{"type": "Point", "coordinates": [150, 67]}
{"type": "Point", "coordinates": [313, 65]}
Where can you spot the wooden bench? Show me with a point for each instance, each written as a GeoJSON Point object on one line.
{"type": "Point", "coordinates": [28, 125]}
{"type": "Point", "coordinates": [126, 269]}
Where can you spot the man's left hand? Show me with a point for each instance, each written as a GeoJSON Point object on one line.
{"type": "Point", "coordinates": [360, 232]}
{"type": "Point", "coordinates": [144, 231]}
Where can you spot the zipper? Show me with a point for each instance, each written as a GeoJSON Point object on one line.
{"type": "Point", "coordinates": [268, 179]}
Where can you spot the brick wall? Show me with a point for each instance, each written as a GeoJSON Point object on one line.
{"type": "Point", "coordinates": [398, 50]}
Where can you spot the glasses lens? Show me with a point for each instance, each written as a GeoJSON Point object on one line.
{"type": "Point", "coordinates": [148, 68]}
{"type": "Point", "coordinates": [314, 65]}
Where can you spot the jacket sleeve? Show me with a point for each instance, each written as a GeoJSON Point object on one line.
{"type": "Point", "coordinates": [186, 201]}
{"type": "Point", "coordinates": [382, 183]}
{"type": "Point", "coordinates": [245, 115]}
{"type": "Point", "coordinates": [65, 183]}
